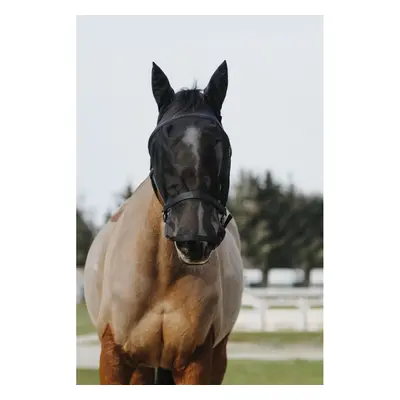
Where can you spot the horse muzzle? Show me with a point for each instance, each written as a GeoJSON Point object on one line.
{"type": "Point", "coordinates": [196, 229]}
{"type": "Point", "coordinates": [194, 252]}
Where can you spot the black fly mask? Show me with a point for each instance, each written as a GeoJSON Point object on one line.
{"type": "Point", "coordinates": [190, 168]}
{"type": "Point", "coordinates": [190, 164]}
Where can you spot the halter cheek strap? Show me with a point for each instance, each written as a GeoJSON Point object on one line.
{"type": "Point", "coordinates": [155, 188]}
{"type": "Point", "coordinates": [227, 220]}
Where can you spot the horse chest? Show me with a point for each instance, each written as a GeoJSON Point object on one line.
{"type": "Point", "coordinates": [169, 331]}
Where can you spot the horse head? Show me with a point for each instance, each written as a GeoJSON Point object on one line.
{"type": "Point", "coordinates": [190, 164]}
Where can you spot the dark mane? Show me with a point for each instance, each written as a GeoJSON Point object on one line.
{"type": "Point", "coordinates": [188, 100]}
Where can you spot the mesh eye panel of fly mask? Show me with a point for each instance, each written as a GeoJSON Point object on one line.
{"type": "Point", "coordinates": [190, 167]}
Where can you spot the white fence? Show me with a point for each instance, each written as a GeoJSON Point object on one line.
{"type": "Point", "coordinates": [286, 307]}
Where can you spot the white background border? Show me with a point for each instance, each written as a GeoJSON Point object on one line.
{"type": "Point", "coordinates": [37, 156]}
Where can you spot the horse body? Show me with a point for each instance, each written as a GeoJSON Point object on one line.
{"type": "Point", "coordinates": [159, 309]}
{"type": "Point", "coordinates": [163, 278]}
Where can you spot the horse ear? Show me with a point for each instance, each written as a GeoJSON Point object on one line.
{"type": "Point", "coordinates": [215, 91]}
{"type": "Point", "coordinates": [162, 90]}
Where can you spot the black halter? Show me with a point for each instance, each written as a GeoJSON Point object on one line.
{"type": "Point", "coordinates": [219, 204]}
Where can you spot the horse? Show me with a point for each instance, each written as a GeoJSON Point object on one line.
{"type": "Point", "coordinates": [163, 278]}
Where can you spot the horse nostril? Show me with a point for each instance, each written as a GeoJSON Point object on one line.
{"type": "Point", "coordinates": [187, 247]}
{"type": "Point", "coordinates": [195, 250]}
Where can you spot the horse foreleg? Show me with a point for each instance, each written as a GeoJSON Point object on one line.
{"type": "Point", "coordinates": [114, 370]}
{"type": "Point", "coordinates": [219, 362]}
{"type": "Point", "coordinates": [142, 376]}
{"type": "Point", "coordinates": [198, 369]}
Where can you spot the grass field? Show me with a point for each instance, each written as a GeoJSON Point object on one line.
{"type": "Point", "coordinates": [245, 372]}
{"type": "Point", "coordinates": [246, 307]}
{"type": "Point", "coordinates": [279, 337]}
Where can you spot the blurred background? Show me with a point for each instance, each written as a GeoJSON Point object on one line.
{"type": "Point", "coordinates": [273, 116]}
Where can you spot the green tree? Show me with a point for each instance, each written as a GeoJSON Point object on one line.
{"type": "Point", "coordinates": [85, 232]}
{"type": "Point", "coordinates": [279, 226]}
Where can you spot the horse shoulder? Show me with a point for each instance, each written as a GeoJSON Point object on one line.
{"type": "Point", "coordinates": [94, 270]}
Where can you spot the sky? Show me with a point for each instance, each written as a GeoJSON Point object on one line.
{"type": "Point", "coordinates": [273, 111]}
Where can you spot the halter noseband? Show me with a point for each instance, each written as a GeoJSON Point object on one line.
{"type": "Point", "coordinates": [194, 194]}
